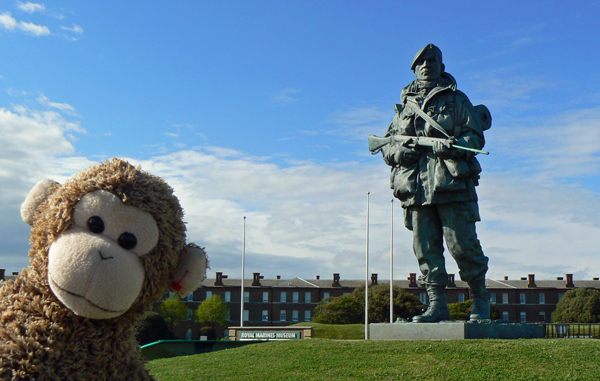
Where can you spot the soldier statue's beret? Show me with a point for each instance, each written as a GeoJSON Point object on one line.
{"type": "Point", "coordinates": [429, 48]}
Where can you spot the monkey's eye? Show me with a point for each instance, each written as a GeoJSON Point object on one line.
{"type": "Point", "coordinates": [127, 241]}
{"type": "Point", "coordinates": [95, 224]}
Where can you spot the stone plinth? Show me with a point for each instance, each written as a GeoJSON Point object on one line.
{"type": "Point", "coordinates": [455, 331]}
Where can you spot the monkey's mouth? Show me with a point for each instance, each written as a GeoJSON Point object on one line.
{"type": "Point", "coordinates": [82, 298]}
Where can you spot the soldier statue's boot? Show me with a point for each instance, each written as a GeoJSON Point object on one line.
{"type": "Point", "coordinates": [480, 299]}
{"type": "Point", "coordinates": [438, 308]}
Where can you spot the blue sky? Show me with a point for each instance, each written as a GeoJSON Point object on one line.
{"type": "Point", "coordinates": [262, 109]}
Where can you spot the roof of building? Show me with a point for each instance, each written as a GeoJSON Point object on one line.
{"type": "Point", "coordinates": [403, 283]}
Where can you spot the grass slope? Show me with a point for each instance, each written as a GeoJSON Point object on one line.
{"type": "Point", "coordinates": [317, 359]}
{"type": "Point", "coordinates": [336, 331]}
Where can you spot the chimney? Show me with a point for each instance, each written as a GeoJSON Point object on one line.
{"type": "Point", "coordinates": [220, 277]}
{"type": "Point", "coordinates": [278, 276]}
{"type": "Point", "coordinates": [523, 278]}
{"type": "Point", "coordinates": [569, 281]}
{"type": "Point", "coordinates": [256, 280]}
{"type": "Point", "coordinates": [412, 280]}
{"type": "Point", "coordinates": [596, 278]}
{"type": "Point", "coordinates": [531, 283]}
{"type": "Point", "coordinates": [318, 277]}
{"type": "Point", "coordinates": [15, 273]}
{"type": "Point", "coordinates": [506, 277]}
{"type": "Point", "coordinates": [451, 282]}
{"type": "Point", "coordinates": [2, 274]}
{"type": "Point", "coordinates": [336, 280]}
{"type": "Point", "coordinates": [373, 279]}
{"type": "Point", "coordinates": [559, 278]}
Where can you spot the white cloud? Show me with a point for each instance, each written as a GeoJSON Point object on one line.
{"type": "Point", "coordinates": [30, 7]}
{"type": "Point", "coordinates": [306, 218]}
{"type": "Point", "coordinates": [10, 23]}
{"type": "Point", "coordinates": [62, 107]}
{"type": "Point", "coordinates": [33, 29]}
{"type": "Point", "coordinates": [7, 21]}
{"type": "Point", "coordinates": [286, 95]}
{"type": "Point", "coordinates": [75, 29]}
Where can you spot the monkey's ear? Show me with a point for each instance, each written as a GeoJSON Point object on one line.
{"type": "Point", "coordinates": [38, 194]}
{"type": "Point", "coordinates": [191, 269]}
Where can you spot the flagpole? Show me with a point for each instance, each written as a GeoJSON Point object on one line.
{"type": "Point", "coordinates": [392, 265]}
{"type": "Point", "coordinates": [243, 268]}
{"type": "Point", "coordinates": [367, 276]}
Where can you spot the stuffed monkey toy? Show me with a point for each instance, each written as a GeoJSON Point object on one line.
{"type": "Point", "coordinates": [105, 246]}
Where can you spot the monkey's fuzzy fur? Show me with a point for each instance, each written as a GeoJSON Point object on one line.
{"type": "Point", "coordinates": [40, 338]}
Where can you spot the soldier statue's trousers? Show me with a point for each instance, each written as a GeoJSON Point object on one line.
{"type": "Point", "coordinates": [454, 222]}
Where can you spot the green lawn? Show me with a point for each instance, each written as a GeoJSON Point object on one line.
{"type": "Point", "coordinates": [336, 331]}
{"type": "Point", "coordinates": [331, 360]}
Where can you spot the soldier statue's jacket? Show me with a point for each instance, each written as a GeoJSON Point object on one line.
{"type": "Point", "coordinates": [431, 180]}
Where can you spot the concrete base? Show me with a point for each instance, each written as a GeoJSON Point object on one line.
{"type": "Point", "coordinates": [455, 331]}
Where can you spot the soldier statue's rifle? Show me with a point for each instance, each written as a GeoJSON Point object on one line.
{"type": "Point", "coordinates": [377, 142]}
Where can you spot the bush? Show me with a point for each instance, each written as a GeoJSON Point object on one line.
{"type": "Point", "coordinates": [462, 311]}
{"type": "Point", "coordinates": [151, 328]}
{"type": "Point", "coordinates": [209, 332]}
{"type": "Point", "coordinates": [349, 309]}
{"type": "Point", "coordinates": [344, 309]}
{"type": "Point", "coordinates": [580, 305]}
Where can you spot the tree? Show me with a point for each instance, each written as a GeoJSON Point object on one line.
{"type": "Point", "coordinates": [462, 311]}
{"type": "Point", "coordinates": [213, 312]}
{"type": "Point", "coordinates": [151, 328]}
{"type": "Point", "coordinates": [173, 310]}
{"type": "Point", "coordinates": [345, 309]}
{"type": "Point", "coordinates": [580, 305]}
{"type": "Point", "coordinates": [349, 309]}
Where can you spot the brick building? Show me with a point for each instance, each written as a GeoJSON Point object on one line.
{"type": "Point", "coordinates": [280, 302]}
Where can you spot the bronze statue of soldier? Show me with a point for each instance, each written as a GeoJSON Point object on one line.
{"type": "Point", "coordinates": [431, 147]}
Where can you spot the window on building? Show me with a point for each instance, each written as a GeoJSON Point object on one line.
{"type": "Point", "coordinates": [228, 315]}
{"type": "Point", "coordinates": [246, 296]}
{"type": "Point", "coordinates": [295, 297]}
{"type": "Point", "coordinates": [560, 297]}
{"type": "Point", "coordinates": [246, 315]}
{"type": "Point", "coordinates": [190, 314]}
{"type": "Point", "coordinates": [325, 295]}
{"type": "Point", "coordinates": [282, 316]}
{"type": "Point", "coordinates": [307, 315]}
{"type": "Point", "coordinates": [188, 334]}
{"type": "Point", "coordinates": [265, 315]}
{"type": "Point", "coordinates": [265, 297]}
{"type": "Point", "coordinates": [208, 294]}
{"type": "Point", "coordinates": [505, 298]}
{"type": "Point", "coordinates": [505, 316]}
{"type": "Point", "coordinates": [522, 299]}
{"type": "Point", "coordinates": [307, 297]}
{"type": "Point", "coordinates": [492, 298]}
{"type": "Point", "coordinates": [461, 297]}
{"type": "Point", "coordinates": [295, 315]}
{"type": "Point", "coordinates": [227, 296]}
{"type": "Point", "coordinates": [542, 298]}
{"type": "Point", "coordinates": [542, 317]}
{"type": "Point", "coordinates": [282, 298]}
{"type": "Point", "coordinates": [523, 316]}
{"type": "Point", "coordinates": [190, 296]}
{"type": "Point", "coordinates": [423, 298]}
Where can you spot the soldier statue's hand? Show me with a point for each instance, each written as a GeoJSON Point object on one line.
{"type": "Point", "coordinates": [408, 155]}
{"type": "Point", "coordinates": [443, 150]}
{"type": "Point", "coordinates": [395, 154]}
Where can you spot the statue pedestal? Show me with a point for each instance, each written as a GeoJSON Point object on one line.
{"type": "Point", "coordinates": [455, 331]}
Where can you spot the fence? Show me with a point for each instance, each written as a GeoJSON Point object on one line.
{"type": "Point", "coordinates": [572, 330]}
